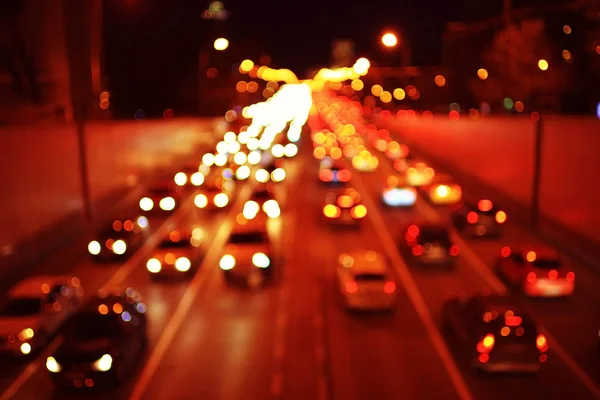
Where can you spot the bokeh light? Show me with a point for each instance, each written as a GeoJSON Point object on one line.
{"type": "Point", "coordinates": [543, 64]}
{"type": "Point", "coordinates": [221, 44]}
{"type": "Point", "coordinates": [389, 40]}
{"type": "Point", "coordinates": [440, 80]}
{"type": "Point", "coordinates": [399, 94]}
{"type": "Point", "coordinates": [482, 74]}
{"type": "Point", "coordinates": [376, 90]}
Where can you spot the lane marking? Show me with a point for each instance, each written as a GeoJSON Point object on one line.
{"type": "Point", "coordinates": [413, 293]}
{"type": "Point", "coordinates": [209, 264]}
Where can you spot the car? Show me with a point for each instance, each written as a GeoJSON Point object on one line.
{"type": "Point", "coordinates": [537, 270]}
{"type": "Point", "coordinates": [442, 191]}
{"type": "Point", "coordinates": [35, 309]}
{"type": "Point", "coordinates": [397, 194]}
{"type": "Point", "coordinates": [270, 171]}
{"type": "Point", "coordinates": [497, 337]}
{"type": "Point", "coordinates": [248, 255]}
{"type": "Point", "coordinates": [262, 199]}
{"type": "Point", "coordinates": [211, 198]}
{"type": "Point", "coordinates": [344, 208]}
{"type": "Point", "coordinates": [396, 151]}
{"type": "Point", "coordinates": [189, 176]}
{"type": "Point", "coordinates": [120, 240]}
{"type": "Point", "coordinates": [366, 281]}
{"type": "Point", "coordinates": [334, 173]}
{"type": "Point", "coordinates": [365, 161]}
{"type": "Point", "coordinates": [163, 196]}
{"type": "Point", "coordinates": [419, 174]}
{"type": "Point", "coordinates": [428, 244]}
{"type": "Point", "coordinates": [485, 219]}
{"type": "Point", "coordinates": [103, 344]}
{"type": "Point", "coordinates": [176, 253]}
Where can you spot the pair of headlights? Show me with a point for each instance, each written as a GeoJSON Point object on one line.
{"type": "Point", "coordinates": [103, 364]}
{"type": "Point", "coordinates": [260, 260]}
{"type": "Point", "coordinates": [182, 264]}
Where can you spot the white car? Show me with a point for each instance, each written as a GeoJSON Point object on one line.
{"type": "Point", "coordinates": [366, 281]}
{"type": "Point", "coordinates": [35, 309]}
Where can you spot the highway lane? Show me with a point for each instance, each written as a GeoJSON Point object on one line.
{"type": "Point", "coordinates": [225, 345]}
{"type": "Point", "coordinates": [436, 286]}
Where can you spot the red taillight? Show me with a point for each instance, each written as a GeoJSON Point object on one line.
{"type": "Point", "coordinates": [344, 175]}
{"type": "Point", "coordinates": [472, 217]}
{"type": "Point", "coordinates": [389, 287]}
{"type": "Point", "coordinates": [531, 277]}
{"type": "Point", "coordinates": [571, 276]}
{"type": "Point", "coordinates": [351, 287]}
{"type": "Point", "coordinates": [417, 250]}
{"type": "Point", "coordinates": [454, 250]}
{"type": "Point", "coordinates": [486, 344]}
{"type": "Point", "coordinates": [553, 274]}
{"type": "Point", "coordinates": [542, 343]}
{"type": "Point", "coordinates": [326, 175]}
{"type": "Point", "coordinates": [505, 252]}
{"type": "Point", "coordinates": [513, 321]}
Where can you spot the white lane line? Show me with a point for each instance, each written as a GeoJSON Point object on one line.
{"type": "Point", "coordinates": [413, 292]}
{"type": "Point", "coordinates": [479, 266]}
{"type": "Point", "coordinates": [185, 304]}
{"type": "Point", "coordinates": [114, 280]}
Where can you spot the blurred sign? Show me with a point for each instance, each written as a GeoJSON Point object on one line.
{"type": "Point", "coordinates": [342, 53]}
{"type": "Point", "coordinates": [216, 10]}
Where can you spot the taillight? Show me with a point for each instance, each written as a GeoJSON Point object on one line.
{"type": "Point", "coordinates": [326, 175]}
{"type": "Point", "coordinates": [553, 274]}
{"type": "Point", "coordinates": [505, 252]}
{"type": "Point", "coordinates": [344, 175]}
{"type": "Point", "coordinates": [531, 277]}
{"type": "Point", "coordinates": [500, 217]}
{"type": "Point", "coordinates": [571, 276]}
{"type": "Point", "coordinates": [351, 287]}
{"type": "Point", "coordinates": [454, 250]}
{"type": "Point", "coordinates": [331, 211]}
{"type": "Point", "coordinates": [472, 217]}
{"type": "Point", "coordinates": [541, 343]}
{"type": "Point", "coordinates": [417, 250]}
{"type": "Point", "coordinates": [359, 211]}
{"type": "Point", "coordinates": [486, 344]}
{"type": "Point", "coordinates": [389, 287]}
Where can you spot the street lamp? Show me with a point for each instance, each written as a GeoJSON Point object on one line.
{"type": "Point", "coordinates": [389, 40]}
{"type": "Point", "coordinates": [221, 44]}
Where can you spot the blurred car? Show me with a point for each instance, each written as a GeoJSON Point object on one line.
{"type": "Point", "coordinates": [344, 208]}
{"type": "Point", "coordinates": [162, 196]}
{"type": "Point", "coordinates": [248, 254]}
{"type": "Point", "coordinates": [442, 191]}
{"type": "Point", "coordinates": [190, 176]}
{"type": "Point", "coordinates": [213, 195]}
{"type": "Point", "coordinates": [428, 244]}
{"type": "Point", "coordinates": [175, 254]}
{"type": "Point", "coordinates": [365, 161]}
{"type": "Point", "coordinates": [484, 219]}
{"type": "Point", "coordinates": [35, 309]}
{"type": "Point", "coordinates": [366, 281]}
{"type": "Point", "coordinates": [419, 174]}
{"type": "Point", "coordinates": [499, 337]}
{"type": "Point", "coordinates": [396, 151]}
{"type": "Point", "coordinates": [271, 171]}
{"type": "Point", "coordinates": [397, 194]}
{"type": "Point", "coordinates": [334, 173]}
{"type": "Point", "coordinates": [262, 200]}
{"type": "Point", "coordinates": [103, 344]}
{"type": "Point", "coordinates": [537, 270]}
{"type": "Point", "coordinates": [119, 240]}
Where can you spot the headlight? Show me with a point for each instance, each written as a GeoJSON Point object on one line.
{"type": "Point", "coordinates": [94, 248]}
{"type": "Point", "coordinates": [180, 179]}
{"type": "Point", "coordinates": [227, 262]}
{"type": "Point", "coordinates": [242, 172]}
{"type": "Point", "coordinates": [146, 204]}
{"type": "Point", "coordinates": [103, 364]}
{"type": "Point", "coordinates": [278, 175]}
{"type": "Point", "coordinates": [200, 201]}
{"type": "Point", "coordinates": [221, 200]}
{"type": "Point", "coordinates": [52, 365]}
{"type": "Point", "coordinates": [197, 178]}
{"type": "Point", "coordinates": [25, 348]}
{"type": "Point", "coordinates": [261, 260]}
{"type": "Point", "coordinates": [119, 247]}
{"type": "Point", "coordinates": [167, 204]}
{"type": "Point", "coordinates": [183, 264]}
{"type": "Point", "coordinates": [271, 208]}
{"type": "Point", "coordinates": [153, 265]}
{"type": "Point", "coordinates": [262, 175]}
{"type": "Point", "coordinates": [26, 334]}
{"type": "Point", "coordinates": [399, 197]}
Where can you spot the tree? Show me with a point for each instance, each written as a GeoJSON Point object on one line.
{"type": "Point", "coordinates": [512, 65]}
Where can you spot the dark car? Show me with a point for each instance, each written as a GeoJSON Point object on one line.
{"type": "Point", "coordinates": [485, 219]}
{"type": "Point", "coordinates": [119, 240]}
{"type": "Point", "coordinates": [344, 209]}
{"type": "Point", "coordinates": [102, 344]}
{"type": "Point", "coordinates": [495, 335]}
{"type": "Point", "coordinates": [428, 244]}
{"type": "Point", "coordinates": [177, 253]}
{"type": "Point", "coordinates": [334, 173]}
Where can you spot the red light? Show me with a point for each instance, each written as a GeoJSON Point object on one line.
{"type": "Point", "coordinates": [417, 250]}
{"type": "Point", "coordinates": [326, 175]}
{"type": "Point", "coordinates": [531, 277]}
{"type": "Point", "coordinates": [513, 321]}
{"type": "Point", "coordinates": [453, 115]}
{"type": "Point", "coordinates": [486, 344]}
{"type": "Point", "coordinates": [472, 217]}
{"type": "Point", "coordinates": [485, 205]}
{"type": "Point", "coordinates": [571, 276]}
{"type": "Point", "coordinates": [351, 287]}
{"type": "Point", "coordinates": [483, 358]}
{"type": "Point", "coordinates": [505, 252]}
{"type": "Point", "coordinates": [553, 274]}
{"type": "Point", "coordinates": [344, 175]}
{"type": "Point", "coordinates": [542, 343]}
{"type": "Point", "coordinates": [454, 250]}
{"type": "Point", "coordinates": [413, 230]}
{"type": "Point", "coordinates": [389, 287]}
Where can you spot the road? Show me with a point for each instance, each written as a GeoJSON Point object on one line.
{"type": "Point", "coordinates": [294, 341]}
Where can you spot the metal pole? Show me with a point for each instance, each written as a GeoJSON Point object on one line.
{"type": "Point", "coordinates": [537, 172]}
{"type": "Point", "coordinates": [84, 171]}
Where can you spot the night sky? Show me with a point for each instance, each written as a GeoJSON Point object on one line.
{"type": "Point", "coordinates": [151, 46]}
